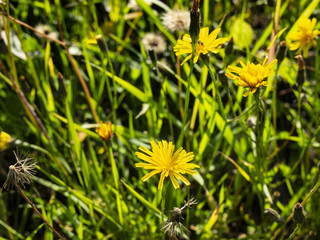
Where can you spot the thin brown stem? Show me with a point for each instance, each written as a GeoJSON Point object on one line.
{"type": "Point", "coordinates": [37, 211]}
{"type": "Point", "coordinates": [32, 28]}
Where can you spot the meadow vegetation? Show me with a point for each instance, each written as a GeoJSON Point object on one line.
{"type": "Point", "coordinates": [148, 119]}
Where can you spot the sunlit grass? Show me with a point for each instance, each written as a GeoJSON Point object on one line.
{"type": "Point", "coordinates": [66, 68]}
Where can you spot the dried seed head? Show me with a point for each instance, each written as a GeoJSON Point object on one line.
{"type": "Point", "coordinates": [47, 30]}
{"type": "Point", "coordinates": [21, 172]}
{"type": "Point", "coordinates": [251, 121]}
{"type": "Point", "coordinates": [299, 214]}
{"type": "Point", "coordinates": [174, 226]}
{"type": "Point", "coordinates": [174, 229]}
{"type": "Point", "coordinates": [176, 20]}
{"type": "Point", "coordinates": [154, 41]}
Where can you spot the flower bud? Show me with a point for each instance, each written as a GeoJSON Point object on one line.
{"type": "Point", "coordinates": [223, 78]}
{"type": "Point", "coordinates": [194, 28]}
{"type": "Point", "coordinates": [105, 130]}
{"type": "Point", "coordinates": [299, 214]}
{"type": "Point", "coordinates": [229, 47]}
{"type": "Point", "coordinates": [282, 50]}
{"type": "Point", "coordinates": [102, 44]}
{"type": "Point", "coordinates": [301, 76]}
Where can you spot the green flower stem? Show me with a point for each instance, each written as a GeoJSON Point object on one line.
{"type": "Point", "coordinates": [164, 94]}
{"type": "Point", "coordinates": [274, 103]}
{"type": "Point", "coordinates": [299, 111]}
{"type": "Point", "coordinates": [258, 133]}
{"type": "Point", "coordinates": [163, 206]}
{"type": "Point", "coordinates": [188, 210]}
{"type": "Point", "coordinates": [297, 228]}
{"type": "Point", "coordinates": [105, 59]}
{"type": "Point", "coordinates": [186, 106]}
{"type": "Point", "coordinates": [259, 166]}
{"type": "Point", "coordinates": [217, 93]}
{"type": "Point", "coordinates": [115, 176]}
{"type": "Point", "coordinates": [316, 72]}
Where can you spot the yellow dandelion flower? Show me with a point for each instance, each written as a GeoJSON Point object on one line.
{"type": "Point", "coordinates": [206, 43]}
{"type": "Point", "coordinates": [5, 140]}
{"type": "Point", "coordinates": [304, 38]}
{"type": "Point", "coordinates": [163, 160]}
{"type": "Point", "coordinates": [105, 130]}
{"type": "Point", "coordinates": [251, 76]}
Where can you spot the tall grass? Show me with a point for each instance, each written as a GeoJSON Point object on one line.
{"type": "Point", "coordinates": [254, 153]}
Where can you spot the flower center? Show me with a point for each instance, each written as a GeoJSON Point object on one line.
{"type": "Point", "coordinates": [253, 75]}
{"type": "Point", "coordinates": [200, 46]}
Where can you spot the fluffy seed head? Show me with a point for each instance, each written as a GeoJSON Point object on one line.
{"type": "Point", "coordinates": [154, 41]}
{"type": "Point", "coordinates": [176, 20]}
{"type": "Point", "coordinates": [21, 172]}
{"type": "Point", "coordinates": [46, 29]}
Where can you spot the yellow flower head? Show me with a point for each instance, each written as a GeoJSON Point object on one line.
{"type": "Point", "coordinates": [5, 140]}
{"type": "Point", "coordinates": [304, 38]}
{"type": "Point", "coordinates": [251, 76]}
{"type": "Point", "coordinates": [163, 160]}
{"type": "Point", "coordinates": [206, 43]}
{"type": "Point", "coordinates": [105, 130]}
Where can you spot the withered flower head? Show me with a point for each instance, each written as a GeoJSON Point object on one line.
{"type": "Point", "coordinates": [301, 76]}
{"type": "Point", "coordinates": [47, 30]}
{"type": "Point", "coordinates": [174, 226]}
{"type": "Point", "coordinates": [21, 172]}
{"type": "Point", "coordinates": [299, 214]}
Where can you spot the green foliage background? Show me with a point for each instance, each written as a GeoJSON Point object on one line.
{"type": "Point", "coordinates": [86, 195]}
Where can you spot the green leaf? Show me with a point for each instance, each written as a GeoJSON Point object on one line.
{"type": "Point", "coordinates": [242, 33]}
{"type": "Point", "coordinates": [142, 199]}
